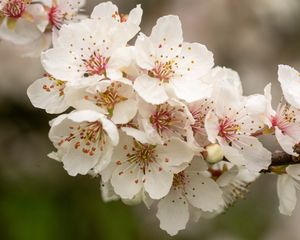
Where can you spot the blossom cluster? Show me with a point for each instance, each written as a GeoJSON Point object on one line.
{"type": "Point", "coordinates": [157, 120]}
{"type": "Point", "coordinates": [32, 25]}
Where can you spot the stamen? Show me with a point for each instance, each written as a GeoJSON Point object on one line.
{"type": "Point", "coordinates": [95, 65]}
{"type": "Point", "coordinates": [162, 71]}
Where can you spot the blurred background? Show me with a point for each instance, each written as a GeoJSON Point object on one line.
{"type": "Point", "coordinates": [38, 200]}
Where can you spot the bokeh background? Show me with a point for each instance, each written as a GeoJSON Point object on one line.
{"type": "Point", "coordinates": [38, 200]}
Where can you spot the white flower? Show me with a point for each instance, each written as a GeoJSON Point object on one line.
{"type": "Point", "coordinates": [231, 125]}
{"type": "Point", "coordinates": [286, 189]}
{"type": "Point", "coordinates": [62, 11]}
{"type": "Point", "coordinates": [289, 79]}
{"type": "Point", "coordinates": [166, 120]}
{"type": "Point", "coordinates": [130, 22]}
{"type": "Point", "coordinates": [138, 165]}
{"type": "Point", "coordinates": [285, 121]}
{"type": "Point", "coordinates": [22, 22]}
{"type": "Point", "coordinates": [86, 140]}
{"type": "Point", "coordinates": [171, 65]}
{"type": "Point", "coordinates": [113, 98]}
{"type": "Point", "coordinates": [48, 93]}
{"type": "Point", "coordinates": [192, 188]}
{"type": "Point", "coordinates": [88, 51]}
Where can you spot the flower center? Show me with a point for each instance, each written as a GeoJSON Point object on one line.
{"type": "Point", "coordinates": [95, 65]}
{"type": "Point", "coordinates": [109, 98]}
{"type": "Point", "coordinates": [15, 8]}
{"type": "Point", "coordinates": [165, 119]}
{"type": "Point", "coordinates": [228, 128]}
{"type": "Point", "coordinates": [56, 17]}
{"type": "Point", "coordinates": [179, 179]}
{"type": "Point", "coordinates": [284, 118]}
{"type": "Point", "coordinates": [162, 71]}
{"type": "Point", "coordinates": [87, 137]}
{"type": "Point", "coordinates": [142, 154]}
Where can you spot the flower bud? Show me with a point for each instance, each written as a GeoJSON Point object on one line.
{"type": "Point", "coordinates": [214, 153]}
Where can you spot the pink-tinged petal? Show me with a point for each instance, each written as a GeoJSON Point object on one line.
{"type": "Point", "coordinates": [174, 152]}
{"type": "Point", "coordinates": [286, 192]}
{"type": "Point", "coordinates": [203, 192]}
{"type": "Point", "coordinates": [127, 180]}
{"type": "Point", "coordinates": [150, 89]}
{"type": "Point", "coordinates": [290, 83]}
{"type": "Point", "coordinates": [157, 181]}
{"type": "Point", "coordinates": [294, 171]}
{"type": "Point", "coordinates": [212, 126]}
{"type": "Point", "coordinates": [173, 212]}
{"type": "Point", "coordinates": [286, 142]}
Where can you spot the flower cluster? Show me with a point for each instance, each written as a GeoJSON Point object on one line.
{"type": "Point", "coordinates": [32, 25]}
{"type": "Point", "coordinates": [157, 120]}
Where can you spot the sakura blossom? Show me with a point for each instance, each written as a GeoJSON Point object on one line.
{"type": "Point", "coordinates": [192, 189]}
{"type": "Point", "coordinates": [151, 116]}
{"type": "Point", "coordinates": [172, 67]}
{"type": "Point", "coordinates": [32, 25]}
{"type": "Point", "coordinates": [87, 139]}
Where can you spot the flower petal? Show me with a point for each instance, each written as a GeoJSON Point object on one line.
{"type": "Point", "coordinates": [286, 192]}
{"type": "Point", "coordinates": [173, 212]}
{"type": "Point", "coordinates": [150, 89]}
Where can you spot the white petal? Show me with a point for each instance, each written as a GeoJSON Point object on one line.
{"type": "Point", "coordinates": [49, 99]}
{"type": "Point", "coordinates": [174, 152]}
{"type": "Point", "coordinates": [77, 162]}
{"type": "Point", "coordinates": [290, 83]}
{"type": "Point", "coordinates": [191, 89]}
{"type": "Point", "coordinates": [286, 142]}
{"type": "Point", "coordinates": [107, 192]}
{"type": "Point", "coordinates": [203, 192]}
{"type": "Point", "coordinates": [157, 181]}
{"type": "Point", "coordinates": [124, 111]}
{"type": "Point", "coordinates": [104, 10]}
{"type": "Point", "coordinates": [150, 89]}
{"type": "Point", "coordinates": [294, 171]}
{"type": "Point", "coordinates": [126, 180]}
{"type": "Point", "coordinates": [167, 34]}
{"type": "Point", "coordinates": [255, 156]}
{"type": "Point", "coordinates": [287, 194]}
{"type": "Point", "coordinates": [173, 213]}
{"type": "Point", "coordinates": [212, 126]}
{"type": "Point", "coordinates": [194, 60]}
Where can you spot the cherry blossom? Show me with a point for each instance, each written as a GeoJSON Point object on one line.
{"type": "Point", "coordinates": [232, 126]}
{"type": "Point", "coordinates": [86, 138]}
{"type": "Point", "coordinates": [171, 66]}
{"type": "Point", "coordinates": [116, 99]}
{"type": "Point", "coordinates": [285, 122]}
{"type": "Point", "coordinates": [138, 164]}
{"type": "Point", "coordinates": [191, 188]}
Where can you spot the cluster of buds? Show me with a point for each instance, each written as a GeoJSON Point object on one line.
{"type": "Point", "coordinates": [157, 121]}
{"type": "Point", "coordinates": [33, 25]}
